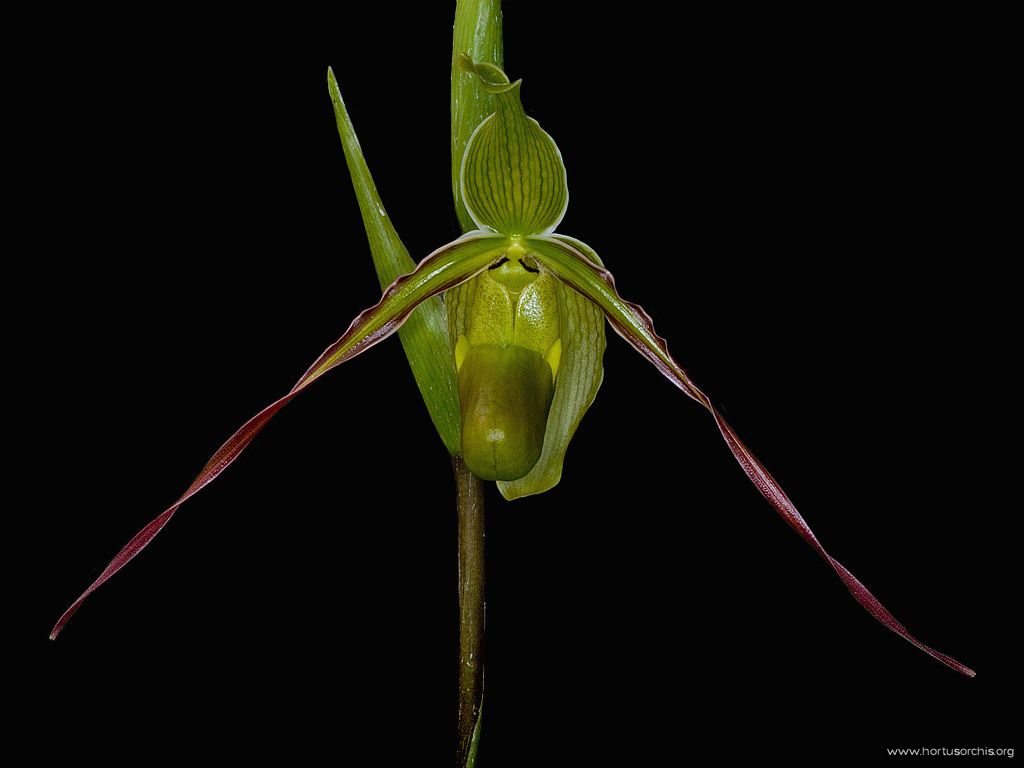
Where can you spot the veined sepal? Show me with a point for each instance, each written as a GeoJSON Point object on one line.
{"type": "Point", "coordinates": [513, 178]}
{"type": "Point", "coordinates": [424, 335]}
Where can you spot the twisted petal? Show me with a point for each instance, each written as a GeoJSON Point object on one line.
{"type": "Point", "coordinates": [443, 269]}
{"type": "Point", "coordinates": [567, 259]}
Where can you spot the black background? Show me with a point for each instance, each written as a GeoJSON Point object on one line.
{"type": "Point", "coordinates": [802, 204]}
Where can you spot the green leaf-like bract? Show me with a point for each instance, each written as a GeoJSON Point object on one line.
{"type": "Point", "coordinates": [477, 32]}
{"type": "Point", "coordinates": [425, 334]}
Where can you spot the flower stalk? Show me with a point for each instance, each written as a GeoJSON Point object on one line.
{"type": "Point", "coordinates": [470, 501]}
{"type": "Point", "coordinates": [478, 32]}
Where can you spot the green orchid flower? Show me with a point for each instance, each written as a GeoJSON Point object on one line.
{"type": "Point", "coordinates": [503, 327]}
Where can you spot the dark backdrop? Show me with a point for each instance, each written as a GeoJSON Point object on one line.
{"type": "Point", "coordinates": [800, 205]}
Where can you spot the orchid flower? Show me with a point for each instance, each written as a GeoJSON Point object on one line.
{"type": "Point", "coordinates": [503, 326]}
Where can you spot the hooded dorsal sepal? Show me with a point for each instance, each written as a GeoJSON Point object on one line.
{"type": "Point", "coordinates": [513, 177]}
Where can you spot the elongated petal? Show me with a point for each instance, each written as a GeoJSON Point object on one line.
{"type": "Point", "coordinates": [425, 334]}
{"type": "Point", "coordinates": [635, 326]}
{"type": "Point", "coordinates": [443, 269]}
{"type": "Point", "coordinates": [477, 33]}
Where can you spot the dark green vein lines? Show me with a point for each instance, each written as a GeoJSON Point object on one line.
{"type": "Point", "coordinates": [513, 178]}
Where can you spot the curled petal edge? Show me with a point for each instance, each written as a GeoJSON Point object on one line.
{"type": "Point", "coordinates": [566, 258]}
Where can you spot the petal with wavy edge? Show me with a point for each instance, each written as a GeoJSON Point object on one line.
{"type": "Point", "coordinates": [630, 321]}
{"type": "Point", "coordinates": [443, 269]}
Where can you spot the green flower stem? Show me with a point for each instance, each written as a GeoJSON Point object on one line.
{"type": "Point", "coordinates": [470, 500]}
{"type": "Point", "coordinates": [477, 32]}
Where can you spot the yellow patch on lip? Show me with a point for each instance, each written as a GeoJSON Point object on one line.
{"type": "Point", "coordinates": [554, 357]}
{"type": "Point", "coordinates": [461, 349]}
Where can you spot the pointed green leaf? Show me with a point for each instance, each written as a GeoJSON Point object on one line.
{"type": "Point", "coordinates": [570, 262]}
{"type": "Point", "coordinates": [580, 373]}
{"type": "Point", "coordinates": [425, 334]}
{"type": "Point", "coordinates": [513, 178]}
{"type": "Point", "coordinates": [474, 744]}
{"type": "Point", "coordinates": [478, 34]}
{"type": "Point", "coordinates": [443, 269]}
